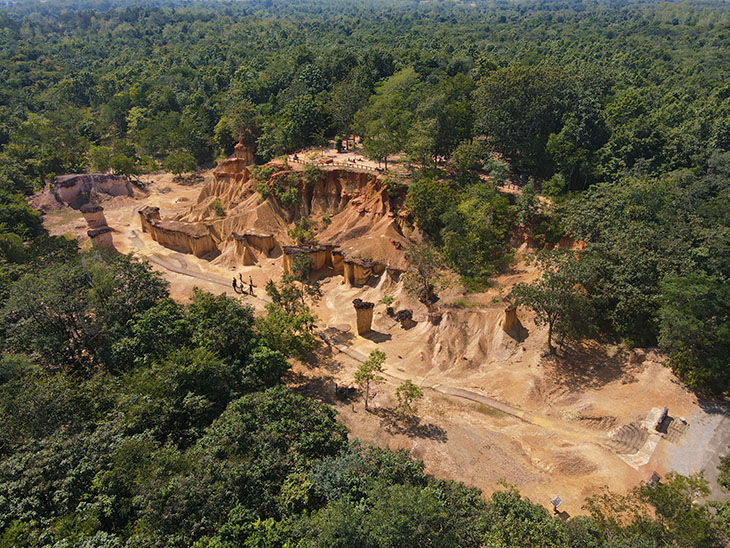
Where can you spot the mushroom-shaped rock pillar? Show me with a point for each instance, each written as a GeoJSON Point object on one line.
{"type": "Point", "coordinates": [364, 312]}
{"type": "Point", "coordinates": [101, 237]}
{"type": "Point", "coordinates": [94, 215]}
{"type": "Point", "coordinates": [405, 317]}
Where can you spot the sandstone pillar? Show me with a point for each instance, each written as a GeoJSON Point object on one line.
{"type": "Point", "coordinates": [364, 312]}
{"type": "Point", "coordinates": [510, 318]}
{"type": "Point", "coordinates": [94, 215]}
{"type": "Point", "coordinates": [405, 317]}
{"type": "Point", "coordinates": [101, 237]}
{"type": "Point", "coordinates": [434, 318]}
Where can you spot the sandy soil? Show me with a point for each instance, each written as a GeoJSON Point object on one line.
{"type": "Point", "coordinates": [495, 407]}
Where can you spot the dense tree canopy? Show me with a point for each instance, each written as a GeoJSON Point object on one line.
{"type": "Point", "coordinates": [129, 420]}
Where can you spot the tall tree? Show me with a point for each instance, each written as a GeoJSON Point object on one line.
{"type": "Point", "coordinates": [386, 120]}
{"type": "Point", "coordinates": [518, 107]}
{"type": "Point", "coordinates": [556, 297]}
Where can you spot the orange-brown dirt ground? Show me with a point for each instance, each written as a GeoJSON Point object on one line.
{"type": "Point", "coordinates": [495, 407]}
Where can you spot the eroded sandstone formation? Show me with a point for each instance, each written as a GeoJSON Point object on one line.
{"type": "Point", "coordinates": [101, 237]}
{"type": "Point", "coordinates": [338, 264]}
{"type": "Point", "coordinates": [185, 237]}
{"type": "Point", "coordinates": [393, 273]}
{"type": "Point", "coordinates": [405, 317]}
{"type": "Point", "coordinates": [510, 320]}
{"type": "Point", "coordinates": [364, 316]}
{"type": "Point", "coordinates": [320, 255]}
{"type": "Point", "coordinates": [359, 211]}
{"type": "Point", "coordinates": [77, 189]}
{"type": "Point", "coordinates": [234, 169]}
{"type": "Point", "coordinates": [242, 251]}
{"type": "Point", "coordinates": [357, 272]}
{"type": "Point", "coordinates": [261, 241]}
{"type": "Point", "coordinates": [434, 317]}
{"type": "Point", "coordinates": [94, 215]}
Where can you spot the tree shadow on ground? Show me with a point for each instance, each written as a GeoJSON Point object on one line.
{"type": "Point", "coordinates": [319, 387]}
{"type": "Point", "coordinates": [587, 365]}
{"type": "Point", "coordinates": [394, 423]}
{"type": "Point", "coordinates": [337, 336]}
{"type": "Point", "coordinates": [323, 357]}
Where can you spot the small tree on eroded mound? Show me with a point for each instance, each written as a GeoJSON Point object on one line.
{"type": "Point", "coordinates": [408, 395]}
{"type": "Point", "coordinates": [424, 272]}
{"type": "Point", "coordinates": [369, 373]}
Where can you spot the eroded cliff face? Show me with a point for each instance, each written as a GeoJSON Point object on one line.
{"type": "Point", "coordinates": [362, 225]}
{"type": "Point", "coordinates": [320, 256]}
{"type": "Point", "coordinates": [351, 209]}
{"type": "Point", "coordinates": [184, 237]}
{"type": "Point", "coordinates": [78, 189]}
{"type": "Point", "coordinates": [357, 272]}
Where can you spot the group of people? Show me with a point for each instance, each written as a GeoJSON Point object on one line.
{"type": "Point", "coordinates": [241, 288]}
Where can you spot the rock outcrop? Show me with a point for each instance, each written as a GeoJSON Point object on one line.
{"type": "Point", "coordinates": [185, 237]}
{"type": "Point", "coordinates": [260, 241]}
{"type": "Point", "coordinates": [94, 215]}
{"type": "Point", "coordinates": [405, 317]}
{"type": "Point", "coordinates": [321, 256]}
{"type": "Point", "coordinates": [338, 264]}
{"type": "Point", "coordinates": [78, 189]}
{"type": "Point", "coordinates": [357, 272]}
{"type": "Point", "coordinates": [510, 321]}
{"type": "Point", "coordinates": [361, 222]}
{"type": "Point", "coordinates": [364, 316]}
{"type": "Point", "coordinates": [242, 253]}
{"type": "Point", "coordinates": [101, 237]}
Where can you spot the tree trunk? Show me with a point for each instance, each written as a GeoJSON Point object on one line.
{"type": "Point", "coordinates": [551, 348]}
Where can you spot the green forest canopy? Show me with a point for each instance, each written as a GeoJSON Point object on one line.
{"type": "Point", "coordinates": [619, 111]}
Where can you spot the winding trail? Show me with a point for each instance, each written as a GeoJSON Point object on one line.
{"type": "Point", "coordinates": [182, 266]}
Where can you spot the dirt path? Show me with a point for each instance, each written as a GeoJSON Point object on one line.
{"type": "Point", "coordinates": [575, 432]}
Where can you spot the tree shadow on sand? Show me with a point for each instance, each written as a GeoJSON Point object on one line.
{"type": "Point", "coordinates": [587, 365]}
{"type": "Point", "coordinates": [394, 424]}
{"type": "Point", "coordinates": [323, 357]}
{"type": "Point", "coordinates": [334, 335]}
{"type": "Point", "coordinates": [322, 388]}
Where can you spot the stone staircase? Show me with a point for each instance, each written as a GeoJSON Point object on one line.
{"type": "Point", "coordinates": [628, 439]}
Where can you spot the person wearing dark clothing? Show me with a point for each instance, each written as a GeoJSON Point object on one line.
{"type": "Point", "coordinates": [250, 285]}
{"type": "Point", "coordinates": [235, 285]}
